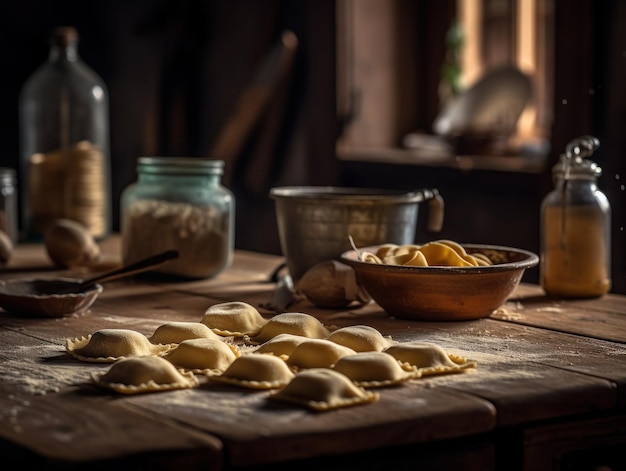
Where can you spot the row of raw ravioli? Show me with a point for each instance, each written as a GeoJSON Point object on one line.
{"type": "Point", "coordinates": [292, 354]}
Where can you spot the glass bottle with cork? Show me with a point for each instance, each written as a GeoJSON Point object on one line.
{"type": "Point", "coordinates": [64, 143]}
{"type": "Point", "coordinates": [576, 227]}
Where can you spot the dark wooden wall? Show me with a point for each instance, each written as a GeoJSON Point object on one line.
{"type": "Point", "coordinates": [175, 70]}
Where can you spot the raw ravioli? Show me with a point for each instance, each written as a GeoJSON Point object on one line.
{"type": "Point", "coordinates": [109, 345]}
{"type": "Point", "coordinates": [144, 374]}
{"type": "Point", "coordinates": [323, 389]}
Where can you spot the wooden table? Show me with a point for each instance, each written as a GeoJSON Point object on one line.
{"type": "Point", "coordinates": [549, 391]}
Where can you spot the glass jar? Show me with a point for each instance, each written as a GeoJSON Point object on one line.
{"type": "Point", "coordinates": [179, 203]}
{"type": "Point", "coordinates": [64, 142]}
{"type": "Point", "coordinates": [8, 203]}
{"type": "Point", "coordinates": [576, 227]}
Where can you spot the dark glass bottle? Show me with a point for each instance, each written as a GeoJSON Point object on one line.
{"type": "Point", "coordinates": [64, 142]}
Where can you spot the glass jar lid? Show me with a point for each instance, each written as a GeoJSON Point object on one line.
{"type": "Point", "coordinates": [179, 165]}
{"type": "Point", "coordinates": [574, 163]}
{"type": "Point", "coordinates": [576, 168]}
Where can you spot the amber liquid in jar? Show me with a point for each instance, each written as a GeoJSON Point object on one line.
{"type": "Point", "coordinates": [575, 252]}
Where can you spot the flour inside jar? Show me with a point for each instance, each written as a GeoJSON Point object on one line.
{"type": "Point", "coordinates": [199, 233]}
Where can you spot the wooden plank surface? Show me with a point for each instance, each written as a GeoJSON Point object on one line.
{"type": "Point", "coordinates": [601, 318]}
{"type": "Point", "coordinates": [46, 408]}
{"type": "Point", "coordinates": [531, 368]}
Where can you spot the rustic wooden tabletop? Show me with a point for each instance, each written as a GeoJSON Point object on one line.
{"type": "Point", "coordinates": [549, 389]}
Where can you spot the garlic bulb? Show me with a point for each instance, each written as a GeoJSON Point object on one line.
{"type": "Point", "coordinates": [69, 244]}
{"type": "Point", "coordinates": [331, 284]}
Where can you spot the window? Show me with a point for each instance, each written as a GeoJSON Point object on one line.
{"type": "Point", "coordinates": [390, 58]}
{"type": "Point", "coordinates": [512, 32]}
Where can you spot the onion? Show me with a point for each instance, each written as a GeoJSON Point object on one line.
{"type": "Point", "coordinates": [331, 284]}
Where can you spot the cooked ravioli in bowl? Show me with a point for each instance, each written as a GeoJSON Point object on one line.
{"type": "Point", "coordinates": [440, 282]}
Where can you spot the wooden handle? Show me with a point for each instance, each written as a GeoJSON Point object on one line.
{"type": "Point", "coordinates": [132, 269]}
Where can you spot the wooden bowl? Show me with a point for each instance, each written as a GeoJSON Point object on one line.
{"type": "Point", "coordinates": [442, 293]}
{"type": "Point", "coordinates": [37, 298]}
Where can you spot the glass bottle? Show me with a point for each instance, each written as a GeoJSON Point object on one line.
{"type": "Point", "coordinates": [576, 227]}
{"type": "Point", "coordinates": [64, 142]}
{"type": "Point", "coordinates": [179, 203]}
{"type": "Point", "coordinates": [8, 203]}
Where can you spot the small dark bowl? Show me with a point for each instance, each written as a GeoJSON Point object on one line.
{"type": "Point", "coordinates": [40, 298]}
{"type": "Point", "coordinates": [441, 293]}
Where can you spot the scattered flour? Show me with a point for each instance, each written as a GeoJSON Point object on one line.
{"type": "Point", "coordinates": [41, 378]}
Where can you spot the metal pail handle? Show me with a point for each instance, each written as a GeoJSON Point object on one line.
{"type": "Point", "coordinates": [436, 207]}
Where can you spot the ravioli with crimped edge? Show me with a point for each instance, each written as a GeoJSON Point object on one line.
{"type": "Point", "coordinates": [110, 345]}
{"type": "Point", "coordinates": [176, 332]}
{"type": "Point", "coordinates": [256, 371]}
{"type": "Point", "coordinates": [203, 356]}
{"type": "Point", "coordinates": [375, 369]}
{"type": "Point", "coordinates": [429, 358]}
{"type": "Point", "coordinates": [282, 345]}
{"type": "Point", "coordinates": [296, 323]}
{"type": "Point", "coordinates": [323, 389]}
{"type": "Point", "coordinates": [136, 375]}
{"type": "Point", "coordinates": [361, 338]}
{"type": "Point", "coordinates": [317, 353]}
{"type": "Point", "coordinates": [233, 319]}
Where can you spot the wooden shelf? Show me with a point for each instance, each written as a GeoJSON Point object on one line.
{"type": "Point", "coordinates": [398, 156]}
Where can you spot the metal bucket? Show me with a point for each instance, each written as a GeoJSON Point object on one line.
{"type": "Point", "coordinates": [314, 222]}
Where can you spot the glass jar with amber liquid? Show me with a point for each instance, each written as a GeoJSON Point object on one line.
{"type": "Point", "coordinates": [576, 227]}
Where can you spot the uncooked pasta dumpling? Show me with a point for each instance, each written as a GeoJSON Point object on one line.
{"type": "Point", "coordinates": [296, 323]}
{"type": "Point", "coordinates": [233, 318]}
{"type": "Point", "coordinates": [144, 374]}
{"type": "Point", "coordinates": [323, 389]}
{"type": "Point", "coordinates": [109, 345]}
{"type": "Point", "coordinates": [282, 345]}
{"type": "Point", "coordinates": [375, 369]}
{"type": "Point", "coordinates": [317, 353]}
{"type": "Point", "coordinates": [429, 358]}
{"type": "Point", "coordinates": [176, 332]}
{"type": "Point", "coordinates": [257, 371]}
{"type": "Point", "coordinates": [361, 338]}
{"type": "Point", "coordinates": [203, 355]}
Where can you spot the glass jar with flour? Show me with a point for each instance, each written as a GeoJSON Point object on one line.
{"type": "Point", "coordinates": [179, 203]}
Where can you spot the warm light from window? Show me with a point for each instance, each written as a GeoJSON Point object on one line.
{"type": "Point", "coordinates": [470, 15]}
{"type": "Point", "coordinates": [526, 59]}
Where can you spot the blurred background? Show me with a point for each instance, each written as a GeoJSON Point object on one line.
{"type": "Point", "coordinates": [352, 93]}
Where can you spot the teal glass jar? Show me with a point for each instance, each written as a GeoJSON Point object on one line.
{"type": "Point", "coordinates": [179, 203]}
